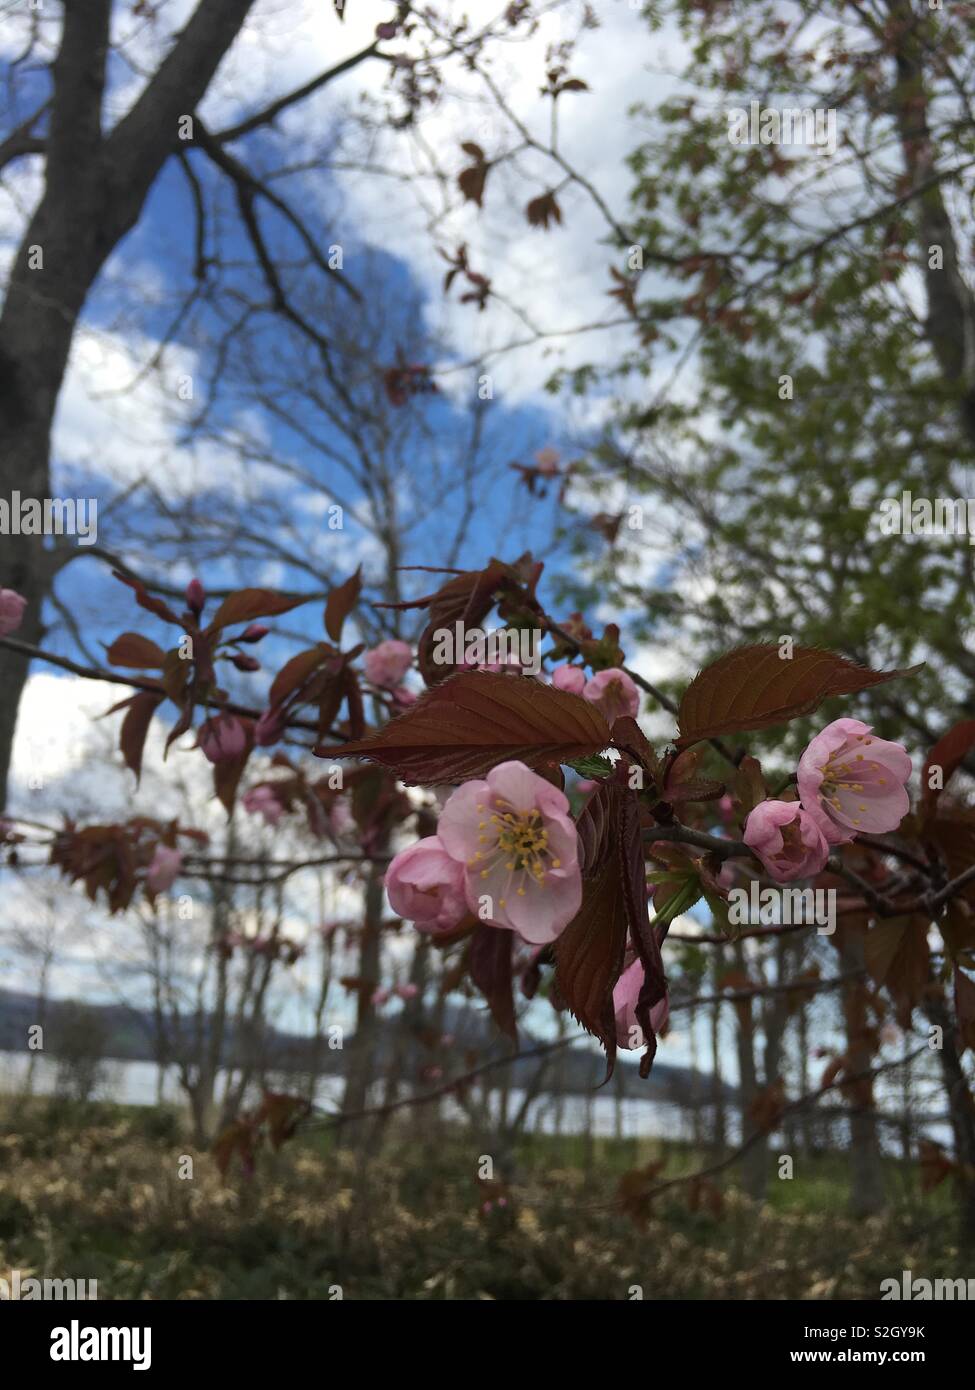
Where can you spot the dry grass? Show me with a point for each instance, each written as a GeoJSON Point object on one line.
{"type": "Point", "coordinates": [96, 1194]}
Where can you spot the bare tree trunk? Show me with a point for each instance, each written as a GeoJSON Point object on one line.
{"type": "Point", "coordinates": [755, 1161]}
{"type": "Point", "coordinates": [719, 1127]}
{"type": "Point", "coordinates": [94, 191]}
{"type": "Point", "coordinates": [962, 1110]}
{"type": "Point", "coordinates": [866, 1165]}
{"type": "Point", "coordinates": [361, 1071]}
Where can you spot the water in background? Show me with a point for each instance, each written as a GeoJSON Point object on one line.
{"type": "Point", "coordinates": [139, 1083]}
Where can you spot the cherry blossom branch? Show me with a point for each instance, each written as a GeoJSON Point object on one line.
{"type": "Point", "coordinates": [135, 682]}
{"type": "Point", "coordinates": [663, 700]}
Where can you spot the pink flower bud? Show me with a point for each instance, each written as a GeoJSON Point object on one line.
{"type": "Point", "coordinates": [387, 664]}
{"type": "Point", "coordinates": [254, 633]}
{"type": "Point", "coordinates": [786, 839]}
{"type": "Point", "coordinates": [245, 663]}
{"type": "Point", "coordinates": [195, 597]}
{"type": "Point", "coordinates": [164, 868]}
{"type": "Point", "coordinates": [426, 886]}
{"type": "Point", "coordinates": [614, 694]}
{"type": "Point", "coordinates": [261, 801]}
{"type": "Point", "coordinates": [626, 995]}
{"type": "Point", "coordinates": [571, 678]}
{"type": "Point", "coordinates": [222, 738]}
{"type": "Point", "coordinates": [12, 607]}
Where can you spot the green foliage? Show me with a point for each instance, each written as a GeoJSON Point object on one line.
{"type": "Point", "coordinates": [766, 262]}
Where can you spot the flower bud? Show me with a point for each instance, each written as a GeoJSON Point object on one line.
{"type": "Point", "coordinates": [195, 597]}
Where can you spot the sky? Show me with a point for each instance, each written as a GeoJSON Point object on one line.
{"type": "Point", "coordinates": [120, 422]}
{"type": "Point", "coordinates": [122, 429]}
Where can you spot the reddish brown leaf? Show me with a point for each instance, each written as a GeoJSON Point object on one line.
{"type": "Point", "coordinates": [896, 955]}
{"type": "Point", "coordinates": [935, 1165]}
{"type": "Point", "coordinates": [965, 1008]}
{"type": "Point", "coordinates": [247, 604]}
{"type": "Point", "coordinates": [228, 772]}
{"type": "Point", "coordinates": [589, 953]}
{"type": "Point", "coordinates": [340, 603]}
{"type": "Point", "coordinates": [149, 601]}
{"type": "Point", "coordinates": [630, 739]}
{"type": "Point", "coordinates": [489, 962]}
{"type": "Point", "coordinates": [954, 836]}
{"type": "Point", "coordinates": [753, 688]}
{"type": "Point", "coordinates": [543, 211]}
{"type": "Point", "coordinates": [296, 671]}
{"type": "Point", "coordinates": [134, 650]}
{"type": "Point", "coordinates": [282, 1114]}
{"type": "Point", "coordinates": [465, 726]}
{"type": "Point", "coordinates": [589, 956]}
{"type": "Point", "coordinates": [948, 753]}
{"type": "Point", "coordinates": [135, 726]}
{"type": "Point", "coordinates": [471, 182]}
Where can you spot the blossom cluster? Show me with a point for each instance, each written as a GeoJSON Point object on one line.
{"type": "Point", "coordinates": [850, 782]}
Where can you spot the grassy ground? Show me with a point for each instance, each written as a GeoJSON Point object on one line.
{"type": "Point", "coordinates": [95, 1194]}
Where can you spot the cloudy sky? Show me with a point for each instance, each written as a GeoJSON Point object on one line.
{"type": "Point", "coordinates": [121, 422]}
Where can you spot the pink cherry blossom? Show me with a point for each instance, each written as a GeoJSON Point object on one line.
{"type": "Point", "coordinates": [787, 839]}
{"type": "Point", "coordinates": [222, 738]}
{"type": "Point", "coordinates": [12, 607]}
{"type": "Point", "coordinates": [261, 801]}
{"type": "Point", "coordinates": [629, 1034]}
{"type": "Point", "coordinates": [613, 693]}
{"type": "Point", "coordinates": [402, 697]}
{"type": "Point", "coordinates": [380, 997]}
{"type": "Point", "coordinates": [519, 850]}
{"type": "Point", "coordinates": [164, 868]}
{"type": "Point", "coordinates": [387, 664]}
{"type": "Point", "coordinates": [407, 991]}
{"type": "Point", "coordinates": [426, 886]}
{"type": "Point", "coordinates": [547, 461]}
{"type": "Point", "coordinates": [851, 782]}
{"type": "Point", "coordinates": [571, 678]}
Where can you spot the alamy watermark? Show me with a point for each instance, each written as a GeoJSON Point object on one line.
{"type": "Point", "coordinates": [472, 646]}
{"type": "Point", "coordinates": [77, 1343]}
{"type": "Point", "coordinates": [926, 1290]}
{"type": "Point", "coordinates": [50, 516]}
{"type": "Point", "coordinates": [789, 907]}
{"type": "Point", "coordinates": [908, 515]}
{"type": "Point", "coordinates": [790, 125]}
{"type": "Point", "coordinates": [20, 1288]}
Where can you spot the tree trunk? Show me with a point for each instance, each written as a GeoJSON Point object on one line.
{"type": "Point", "coordinates": [866, 1166]}
{"type": "Point", "coordinates": [361, 1071]}
{"type": "Point", "coordinates": [94, 192]}
{"type": "Point", "coordinates": [755, 1161]}
{"type": "Point", "coordinates": [962, 1110]}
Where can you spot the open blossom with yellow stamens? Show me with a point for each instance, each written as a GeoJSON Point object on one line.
{"type": "Point", "coordinates": [851, 782]}
{"type": "Point", "coordinates": [519, 847]}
